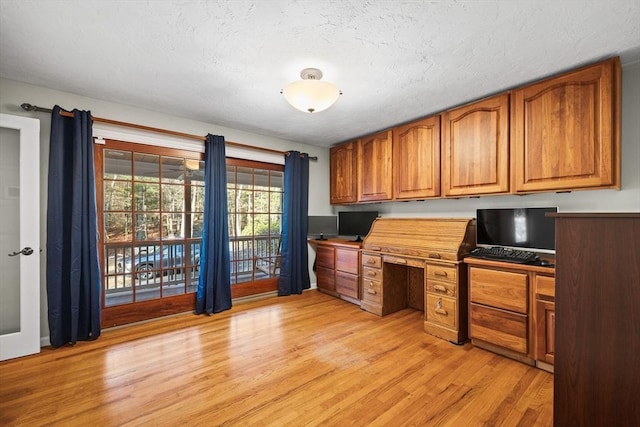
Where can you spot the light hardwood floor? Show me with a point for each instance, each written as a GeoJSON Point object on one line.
{"type": "Point", "coordinates": [303, 360]}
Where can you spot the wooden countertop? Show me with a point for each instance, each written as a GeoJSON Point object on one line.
{"type": "Point", "coordinates": [515, 266]}
{"type": "Point", "coordinates": [336, 242]}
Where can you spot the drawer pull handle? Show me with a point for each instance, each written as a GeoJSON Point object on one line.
{"type": "Point", "coordinates": [371, 261]}
{"type": "Point", "coordinates": [440, 273]}
{"type": "Point", "coordinates": [370, 284]}
{"type": "Point", "coordinates": [371, 291]}
{"type": "Point", "coordinates": [440, 288]}
{"type": "Point", "coordinates": [439, 309]}
{"type": "Point", "coordinates": [436, 256]}
{"type": "Point", "coordinates": [375, 248]}
{"type": "Point", "coordinates": [372, 273]}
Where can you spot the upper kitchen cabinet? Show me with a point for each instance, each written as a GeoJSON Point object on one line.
{"type": "Point", "coordinates": [416, 159]}
{"type": "Point", "coordinates": [343, 173]}
{"type": "Point", "coordinates": [565, 131]}
{"type": "Point", "coordinates": [475, 148]}
{"type": "Point", "coordinates": [375, 167]}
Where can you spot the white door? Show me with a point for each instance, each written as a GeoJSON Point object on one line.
{"type": "Point", "coordinates": [19, 236]}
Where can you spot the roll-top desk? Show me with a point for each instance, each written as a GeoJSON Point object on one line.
{"type": "Point", "coordinates": [417, 262]}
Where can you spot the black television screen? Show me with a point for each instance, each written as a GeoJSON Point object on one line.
{"type": "Point", "coordinates": [527, 228]}
{"type": "Point", "coordinates": [322, 226]}
{"type": "Point", "coordinates": [355, 223]}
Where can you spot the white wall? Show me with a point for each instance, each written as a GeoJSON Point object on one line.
{"type": "Point", "coordinates": [625, 200]}
{"type": "Point", "coordinates": [12, 94]}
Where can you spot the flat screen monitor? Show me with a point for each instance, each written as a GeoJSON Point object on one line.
{"type": "Point", "coordinates": [355, 223]}
{"type": "Point", "coordinates": [322, 226]}
{"type": "Point", "coordinates": [522, 228]}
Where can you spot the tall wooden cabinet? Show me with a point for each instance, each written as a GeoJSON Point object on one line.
{"type": "Point", "coordinates": [565, 131]}
{"type": "Point", "coordinates": [597, 346]}
{"type": "Point", "coordinates": [375, 167]}
{"type": "Point", "coordinates": [475, 148]}
{"type": "Point", "coordinates": [416, 159]}
{"type": "Point", "coordinates": [343, 173]}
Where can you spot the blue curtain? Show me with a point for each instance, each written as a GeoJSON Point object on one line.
{"type": "Point", "coordinates": [73, 269]}
{"type": "Point", "coordinates": [214, 287]}
{"type": "Point", "coordinates": [294, 267]}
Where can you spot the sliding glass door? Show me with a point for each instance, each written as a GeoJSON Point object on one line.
{"type": "Point", "coordinates": [150, 202]}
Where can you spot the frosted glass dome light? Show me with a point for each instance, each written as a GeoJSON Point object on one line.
{"type": "Point", "coordinates": [310, 94]}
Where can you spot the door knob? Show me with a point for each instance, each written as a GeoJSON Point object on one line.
{"type": "Point", "coordinates": [26, 251]}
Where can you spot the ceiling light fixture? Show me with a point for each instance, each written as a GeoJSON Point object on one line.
{"type": "Point", "coordinates": [310, 94]}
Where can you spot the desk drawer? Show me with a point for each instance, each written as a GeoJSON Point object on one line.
{"type": "Point", "coordinates": [326, 278]}
{"type": "Point", "coordinates": [441, 310]}
{"type": "Point", "coordinates": [325, 257]}
{"type": "Point", "coordinates": [347, 284]}
{"type": "Point", "coordinates": [371, 273]}
{"type": "Point", "coordinates": [442, 288]}
{"type": "Point", "coordinates": [499, 327]}
{"type": "Point", "coordinates": [372, 290]}
{"type": "Point", "coordinates": [442, 273]}
{"type": "Point", "coordinates": [371, 260]}
{"type": "Point", "coordinates": [546, 286]}
{"type": "Point", "coordinates": [499, 289]}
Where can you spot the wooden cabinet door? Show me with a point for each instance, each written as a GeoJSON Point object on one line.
{"type": "Point", "coordinates": [375, 167]}
{"type": "Point", "coordinates": [343, 173]}
{"type": "Point", "coordinates": [565, 133]}
{"type": "Point", "coordinates": [416, 159]}
{"type": "Point", "coordinates": [545, 330]}
{"type": "Point", "coordinates": [475, 148]}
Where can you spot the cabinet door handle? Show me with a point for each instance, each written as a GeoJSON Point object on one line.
{"type": "Point", "coordinates": [439, 288]}
{"type": "Point", "coordinates": [440, 273]}
{"type": "Point", "coordinates": [441, 311]}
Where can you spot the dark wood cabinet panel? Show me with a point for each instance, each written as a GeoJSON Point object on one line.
{"type": "Point", "coordinates": [597, 345]}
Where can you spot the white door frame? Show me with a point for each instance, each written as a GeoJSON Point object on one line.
{"type": "Point", "coordinates": [27, 340]}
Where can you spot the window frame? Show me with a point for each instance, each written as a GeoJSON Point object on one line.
{"type": "Point", "coordinates": [142, 310]}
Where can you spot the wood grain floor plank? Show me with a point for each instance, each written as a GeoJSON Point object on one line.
{"type": "Point", "coordinates": [304, 360]}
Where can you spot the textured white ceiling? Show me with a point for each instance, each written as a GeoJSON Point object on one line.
{"type": "Point", "coordinates": [224, 62]}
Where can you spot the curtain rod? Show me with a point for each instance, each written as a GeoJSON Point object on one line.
{"type": "Point", "coordinates": [28, 107]}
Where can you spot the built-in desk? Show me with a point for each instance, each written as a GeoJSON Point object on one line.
{"type": "Point", "coordinates": [417, 263]}
{"type": "Point", "coordinates": [512, 309]}
{"type": "Point", "coordinates": [337, 268]}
